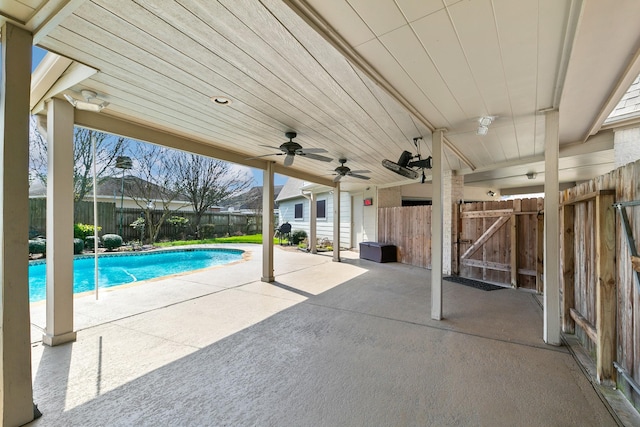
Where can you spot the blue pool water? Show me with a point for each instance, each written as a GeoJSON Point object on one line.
{"type": "Point", "coordinates": [114, 270]}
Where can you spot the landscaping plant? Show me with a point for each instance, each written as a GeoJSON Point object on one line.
{"type": "Point", "coordinates": [111, 241]}
{"type": "Point", "coordinates": [78, 246]}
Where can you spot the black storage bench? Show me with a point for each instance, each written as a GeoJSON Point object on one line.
{"type": "Point", "coordinates": [378, 252]}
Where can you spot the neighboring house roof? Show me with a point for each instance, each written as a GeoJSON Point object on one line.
{"type": "Point", "coordinates": [250, 199]}
{"type": "Point", "coordinates": [291, 189]}
{"type": "Point", "coordinates": [294, 187]}
{"type": "Point", "coordinates": [629, 105]}
{"type": "Point", "coordinates": [109, 186]}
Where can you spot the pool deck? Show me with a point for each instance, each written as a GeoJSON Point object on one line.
{"type": "Point", "coordinates": [327, 344]}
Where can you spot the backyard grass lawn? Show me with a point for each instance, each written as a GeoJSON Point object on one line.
{"type": "Point", "coordinates": [253, 238]}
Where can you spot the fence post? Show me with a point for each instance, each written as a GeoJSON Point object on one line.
{"type": "Point", "coordinates": [568, 268]}
{"type": "Point", "coordinates": [517, 207]}
{"type": "Point", "coordinates": [606, 290]}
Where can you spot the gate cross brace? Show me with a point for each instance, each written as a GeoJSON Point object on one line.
{"type": "Point", "coordinates": [635, 260]}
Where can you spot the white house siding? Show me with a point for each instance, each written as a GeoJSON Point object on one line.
{"type": "Point", "coordinates": [324, 226]}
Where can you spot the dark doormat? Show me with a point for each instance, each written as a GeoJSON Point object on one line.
{"type": "Point", "coordinates": [473, 283]}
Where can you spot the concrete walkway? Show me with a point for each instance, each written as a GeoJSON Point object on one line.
{"type": "Point", "coordinates": [328, 344]}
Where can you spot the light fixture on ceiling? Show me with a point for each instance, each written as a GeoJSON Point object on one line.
{"type": "Point", "coordinates": [220, 100]}
{"type": "Point", "coordinates": [531, 175]}
{"type": "Point", "coordinates": [484, 123]}
{"type": "Point", "coordinates": [491, 193]}
{"type": "Point", "coordinates": [91, 102]}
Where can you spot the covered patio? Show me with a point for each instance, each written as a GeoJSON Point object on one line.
{"type": "Point", "coordinates": [345, 345]}
{"type": "Point", "coordinates": [504, 96]}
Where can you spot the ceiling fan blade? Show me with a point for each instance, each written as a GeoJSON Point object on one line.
{"type": "Point", "coordinates": [316, 157]}
{"type": "Point", "coordinates": [355, 175]}
{"type": "Point", "coordinates": [270, 146]}
{"type": "Point", "coordinates": [311, 150]}
{"type": "Point", "coordinates": [360, 171]}
{"type": "Point", "coordinates": [264, 155]}
{"type": "Point", "coordinates": [288, 161]}
{"type": "Point", "coordinates": [337, 178]}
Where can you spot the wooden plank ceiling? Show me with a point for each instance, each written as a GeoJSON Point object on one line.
{"type": "Point", "coordinates": [357, 80]}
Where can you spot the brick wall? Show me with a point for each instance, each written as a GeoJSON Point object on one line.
{"type": "Point", "coordinates": [626, 146]}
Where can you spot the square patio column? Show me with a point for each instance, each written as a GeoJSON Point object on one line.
{"type": "Point", "coordinates": [551, 230]}
{"type": "Point", "coordinates": [336, 222]}
{"type": "Point", "coordinates": [267, 224]}
{"type": "Point", "coordinates": [16, 405]}
{"type": "Point", "coordinates": [59, 328]}
{"type": "Point", "coordinates": [313, 222]}
{"type": "Point", "coordinates": [437, 224]}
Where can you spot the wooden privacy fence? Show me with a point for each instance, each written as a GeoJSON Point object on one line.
{"type": "Point", "coordinates": [499, 241]}
{"type": "Point", "coordinates": [599, 285]}
{"type": "Point", "coordinates": [409, 228]}
{"type": "Point", "coordinates": [213, 224]}
{"type": "Point", "coordinates": [589, 300]}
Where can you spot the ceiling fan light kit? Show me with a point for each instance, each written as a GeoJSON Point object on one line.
{"type": "Point", "coordinates": [343, 170]}
{"type": "Point", "coordinates": [291, 149]}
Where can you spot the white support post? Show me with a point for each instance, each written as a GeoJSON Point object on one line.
{"type": "Point", "coordinates": [336, 222]}
{"type": "Point", "coordinates": [59, 328]}
{"type": "Point", "coordinates": [313, 223]}
{"type": "Point", "coordinates": [437, 224]}
{"type": "Point", "coordinates": [268, 227]}
{"type": "Point", "coordinates": [551, 230]}
{"type": "Point", "coordinates": [16, 393]}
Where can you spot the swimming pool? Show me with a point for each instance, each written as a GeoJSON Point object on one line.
{"type": "Point", "coordinates": [119, 269]}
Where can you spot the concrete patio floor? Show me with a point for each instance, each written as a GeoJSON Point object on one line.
{"type": "Point", "coordinates": [327, 344]}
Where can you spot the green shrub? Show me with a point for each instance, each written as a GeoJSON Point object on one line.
{"type": "Point", "coordinates": [88, 242]}
{"type": "Point", "coordinates": [82, 231]}
{"type": "Point", "coordinates": [38, 246]}
{"type": "Point", "coordinates": [298, 236]}
{"type": "Point", "coordinates": [78, 246]}
{"type": "Point", "coordinates": [111, 241]}
{"type": "Point", "coordinates": [178, 221]}
{"type": "Point", "coordinates": [208, 231]}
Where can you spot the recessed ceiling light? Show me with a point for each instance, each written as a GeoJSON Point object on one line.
{"type": "Point", "coordinates": [220, 100]}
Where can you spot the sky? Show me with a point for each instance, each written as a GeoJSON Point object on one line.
{"type": "Point", "coordinates": [37, 54]}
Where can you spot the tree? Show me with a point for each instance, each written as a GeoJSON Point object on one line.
{"type": "Point", "coordinates": [108, 147]}
{"type": "Point", "coordinates": [207, 182]}
{"type": "Point", "coordinates": [154, 184]}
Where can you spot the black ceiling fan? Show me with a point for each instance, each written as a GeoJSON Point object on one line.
{"type": "Point", "coordinates": [343, 170]}
{"type": "Point", "coordinates": [290, 149]}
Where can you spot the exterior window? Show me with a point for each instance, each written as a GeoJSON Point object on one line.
{"type": "Point", "coordinates": [321, 209]}
{"type": "Point", "coordinates": [298, 211]}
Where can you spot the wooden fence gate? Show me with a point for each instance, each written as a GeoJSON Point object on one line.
{"type": "Point", "coordinates": [501, 242]}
